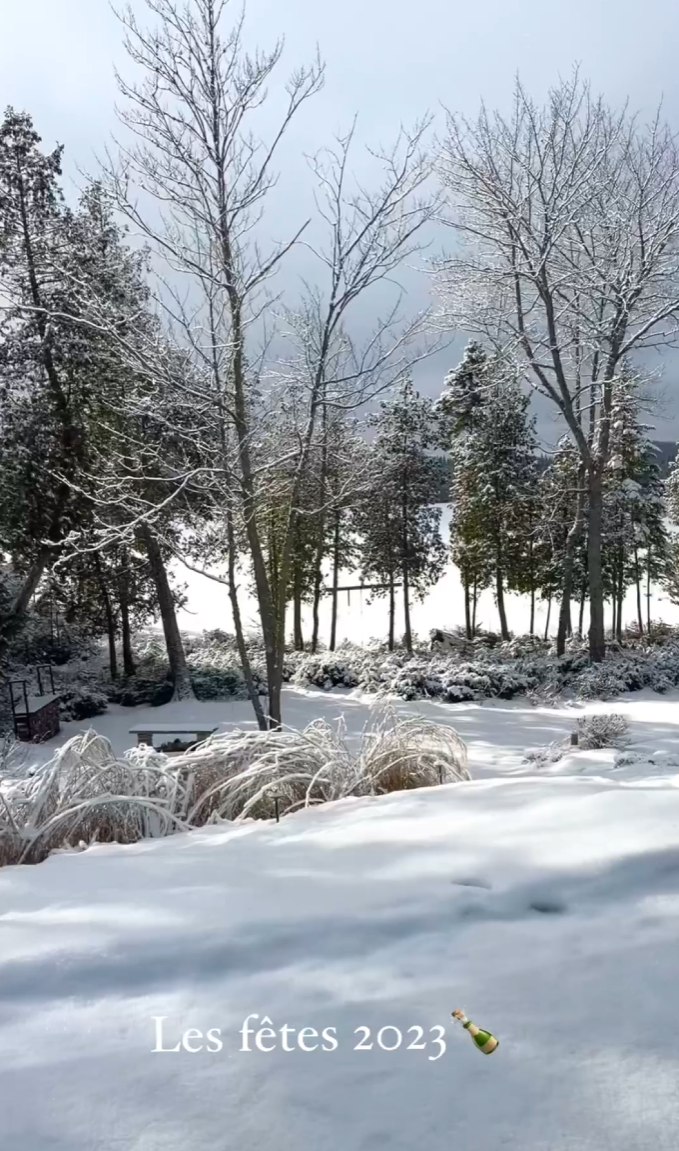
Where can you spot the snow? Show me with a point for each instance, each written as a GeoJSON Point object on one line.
{"type": "Point", "coordinates": [543, 902]}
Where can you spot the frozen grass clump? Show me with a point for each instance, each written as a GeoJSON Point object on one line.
{"type": "Point", "coordinates": [85, 794]}
{"type": "Point", "coordinates": [397, 755]}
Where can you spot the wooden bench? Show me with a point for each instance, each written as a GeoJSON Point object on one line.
{"type": "Point", "coordinates": [146, 731]}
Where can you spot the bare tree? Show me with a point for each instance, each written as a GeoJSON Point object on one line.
{"type": "Point", "coordinates": [204, 176]}
{"type": "Point", "coordinates": [568, 222]}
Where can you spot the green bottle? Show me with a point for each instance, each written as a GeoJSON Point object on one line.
{"type": "Point", "coordinates": [483, 1039]}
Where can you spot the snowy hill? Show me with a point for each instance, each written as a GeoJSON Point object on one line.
{"type": "Point", "coordinates": [545, 903]}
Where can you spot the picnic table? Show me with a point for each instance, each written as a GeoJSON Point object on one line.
{"type": "Point", "coordinates": [146, 731]}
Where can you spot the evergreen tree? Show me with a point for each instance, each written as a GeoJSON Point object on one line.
{"type": "Point", "coordinates": [43, 386]}
{"type": "Point", "coordinates": [635, 542]}
{"type": "Point", "coordinates": [494, 476]}
{"type": "Point", "coordinates": [561, 558]}
{"type": "Point", "coordinates": [400, 530]}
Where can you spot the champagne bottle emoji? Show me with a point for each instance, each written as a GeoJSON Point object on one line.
{"type": "Point", "coordinates": [483, 1039]}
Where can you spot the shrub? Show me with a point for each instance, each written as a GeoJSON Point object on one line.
{"type": "Point", "coordinates": [541, 756]}
{"type": "Point", "coordinates": [218, 682]}
{"type": "Point", "coordinates": [143, 689]}
{"type": "Point", "coordinates": [81, 702]}
{"type": "Point", "coordinates": [608, 730]}
{"type": "Point", "coordinates": [38, 642]}
{"type": "Point", "coordinates": [324, 672]}
{"type": "Point", "coordinates": [524, 666]}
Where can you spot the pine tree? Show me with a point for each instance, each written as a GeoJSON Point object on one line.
{"type": "Point", "coordinates": [41, 388]}
{"type": "Point", "coordinates": [635, 542]}
{"type": "Point", "coordinates": [561, 551]}
{"type": "Point", "coordinates": [494, 475]}
{"type": "Point", "coordinates": [400, 530]}
{"type": "Point", "coordinates": [134, 449]}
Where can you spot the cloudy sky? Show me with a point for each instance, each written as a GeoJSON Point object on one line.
{"type": "Point", "coordinates": [388, 60]}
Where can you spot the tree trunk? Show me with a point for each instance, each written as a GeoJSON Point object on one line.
{"type": "Point", "coordinates": [406, 607]}
{"type": "Point", "coordinates": [318, 585]}
{"type": "Point", "coordinates": [597, 630]}
{"type": "Point", "coordinates": [14, 619]}
{"type": "Point", "coordinates": [129, 667]}
{"type": "Point", "coordinates": [467, 609]}
{"type": "Point", "coordinates": [335, 581]}
{"type": "Point", "coordinates": [250, 684]}
{"type": "Point", "coordinates": [298, 638]}
{"type": "Point", "coordinates": [29, 586]}
{"type": "Point", "coordinates": [581, 612]}
{"type": "Point", "coordinates": [620, 597]}
{"type": "Point", "coordinates": [531, 563]}
{"type": "Point", "coordinates": [320, 542]}
{"type": "Point", "coordinates": [392, 611]}
{"type": "Point", "coordinates": [572, 541]}
{"type": "Point", "coordinates": [637, 580]}
{"type": "Point", "coordinates": [110, 619]}
{"type": "Point", "coordinates": [549, 613]}
{"type": "Point", "coordinates": [500, 598]}
{"type": "Point", "coordinates": [111, 629]}
{"type": "Point", "coordinates": [648, 591]}
{"type": "Point", "coordinates": [475, 601]}
{"type": "Point", "coordinates": [266, 599]}
{"type": "Point", "coordinates": [405, 544]}
{"type": "Point", "coordinates": [173, 641]}
{"type": "Point", "coordinates": [279, 585]}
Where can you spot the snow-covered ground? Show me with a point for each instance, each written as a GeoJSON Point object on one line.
{"type": "Point", "coordinates": [545, 903]}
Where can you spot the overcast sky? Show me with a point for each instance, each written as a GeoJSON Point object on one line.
{"type": "Point", "coordinates": [388, 60]}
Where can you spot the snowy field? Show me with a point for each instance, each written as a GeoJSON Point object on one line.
{"type": "Point", "coordinates": [545, 903]}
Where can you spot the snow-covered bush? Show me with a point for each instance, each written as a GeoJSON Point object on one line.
{"type": "Point", "coordinates": [149, 687]}
{"type": "Point", "coordinates": [215, 667]}
{"type": "Point", "coordinates": [525, 666]}
{"type": "Point", "coordinates": [541, 756]}
{"type": "Point", "coordinates": [607, 730]}
{"type": "Point", "coordinates": [86, 794]}
{"type": "Point", "coordinates": [524, 645]}
{"type": "Point", "coordinates": [81, 702]}
{"type": "Point", "coordinates": [325, 672]}
{"type": "Point", "coordinates": [486, 639]}
{"type": "Point", "coordinates": [218, 683]}
{"type": "Point", "coordinates": [603, 681]}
